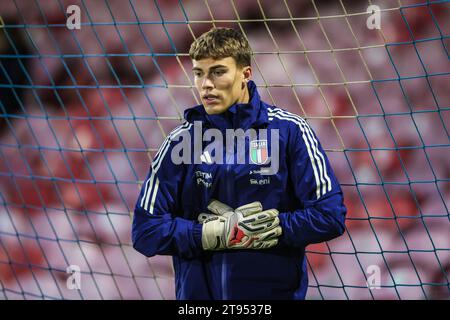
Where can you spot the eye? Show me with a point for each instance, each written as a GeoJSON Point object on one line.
{"type": "Point", "coordinates": [218, 73]}
{"type": "Point", "coordinates": [197, 73]}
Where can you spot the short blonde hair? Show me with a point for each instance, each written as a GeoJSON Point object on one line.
{"type": "Point", "coordinates": [219, 43]}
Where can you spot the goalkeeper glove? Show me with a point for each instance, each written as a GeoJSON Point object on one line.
{"type": "Point", "coordinates": [218, 209]}
{"type": "Point", "coordinates": [248, 227]}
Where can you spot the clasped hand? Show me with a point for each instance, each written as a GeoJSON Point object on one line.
{"type": "Point", "coordinates": [246, 227]}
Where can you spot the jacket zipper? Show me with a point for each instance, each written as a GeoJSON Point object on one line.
{"type": "Point", "coordinates": [228, 181]}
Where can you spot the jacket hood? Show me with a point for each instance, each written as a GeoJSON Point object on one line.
{"type": "Point", "coordinates": [241, 115]}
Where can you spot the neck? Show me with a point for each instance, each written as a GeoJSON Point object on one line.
{"type": "Point", "coordinates": [245, 97]}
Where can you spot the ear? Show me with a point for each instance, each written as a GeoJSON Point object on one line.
{"type": "Point", "coordinates": [247, 72]}
{"type": "Point", "coordinates": [247, 75]}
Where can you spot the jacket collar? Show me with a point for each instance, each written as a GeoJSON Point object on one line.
{"type": "Point", "coordinates": [240, 115]}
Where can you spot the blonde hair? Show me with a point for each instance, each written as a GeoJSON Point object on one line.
{"type": "Point", "coordinates": [219, 43]}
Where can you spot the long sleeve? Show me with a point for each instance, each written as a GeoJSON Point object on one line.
{"type": "Point", "coordinates": [321, 213]}
{"type": "Point", "coordinates": [157, 230]}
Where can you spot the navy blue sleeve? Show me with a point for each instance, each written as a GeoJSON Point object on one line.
{"type": "Point", "coordinates": [321, 216]}
{"type": "Point", "coordinates": [156, 229]}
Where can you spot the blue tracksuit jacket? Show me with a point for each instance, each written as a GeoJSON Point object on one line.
{"type": "Point", "coordinates": [304, 190]}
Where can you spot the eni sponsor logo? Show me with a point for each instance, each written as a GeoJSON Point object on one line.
{"type": "Point", "coordinates": [260, 177]}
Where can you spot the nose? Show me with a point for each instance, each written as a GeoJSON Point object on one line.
{"type": "Point", "coordinates": [207, 83]}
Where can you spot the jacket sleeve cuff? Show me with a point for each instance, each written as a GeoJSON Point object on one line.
{"type": "Point", "coordinates": [282, 238]}
{"type": "Point", "coordinates": [197, 233]}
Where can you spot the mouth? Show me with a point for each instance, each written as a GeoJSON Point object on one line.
{"type": "Point", "coordinates": [210, 99]}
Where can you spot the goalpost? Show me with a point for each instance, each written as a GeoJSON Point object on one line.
{"type": "Point", "coordinates": [90, 89]}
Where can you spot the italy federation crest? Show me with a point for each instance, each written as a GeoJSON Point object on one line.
{"type": "Point", "coordinates": [259, 151]}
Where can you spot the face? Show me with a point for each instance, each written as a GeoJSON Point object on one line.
{"type": "Point", "coordinates": [221, 83]}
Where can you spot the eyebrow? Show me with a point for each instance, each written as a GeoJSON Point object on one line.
{"type": "Point", "coordinates": [217, 66]}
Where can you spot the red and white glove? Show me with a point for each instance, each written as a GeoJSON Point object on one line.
{"type": "Point", "coordinates": [247, 227]}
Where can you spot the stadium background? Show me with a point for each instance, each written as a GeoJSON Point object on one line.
{"type": "Point", "coordinates": [83, 112]}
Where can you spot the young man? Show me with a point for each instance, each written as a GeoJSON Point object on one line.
{"type": "Point", "coordinates": [237, 229]}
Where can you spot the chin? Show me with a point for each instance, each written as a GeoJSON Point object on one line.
{"type": "Point", "coordinates": [215, 109]}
